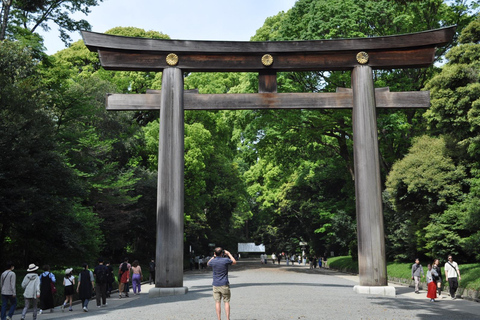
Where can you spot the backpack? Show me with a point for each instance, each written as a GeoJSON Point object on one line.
{"type": "Point", "coordinates": [101, 275]}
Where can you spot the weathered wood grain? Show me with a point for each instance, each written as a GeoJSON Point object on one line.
{"type": "Point", "coordinates": [339, 100]}
{"type": "Point", "coordinates": [438, 37]}
{"type": "Point", "coordinates": [344, 60]}
{"type": "Point", "coordinates": [170, 192]}
{"type": "Point", "coordinates": [267, 81]}
{"type": "Point", "coordinates": [372, 265]}
{"type": "Point", "coordinates": [139, 54]}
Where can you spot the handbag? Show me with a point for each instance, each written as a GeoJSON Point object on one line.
{"type": "Point", "coordinates": [52, 286]}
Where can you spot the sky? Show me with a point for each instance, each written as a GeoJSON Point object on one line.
{"type": "Point", "coordinates": [234, 20]}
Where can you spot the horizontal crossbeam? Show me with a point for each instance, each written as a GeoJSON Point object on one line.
{"type": "Point", "coordinates": [338, 100]}
{"type": "Point", "coordinates": [140, 54]}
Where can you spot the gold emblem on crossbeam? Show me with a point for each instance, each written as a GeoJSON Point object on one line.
{"type": "Point", "coordinates": [267, 60]}
{"type": "Point", "coordinates": [362, 57]}
{"type": "Point", "coordinates": [172, 59]}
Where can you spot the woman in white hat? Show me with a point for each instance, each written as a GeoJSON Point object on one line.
{"type": "Point", "coordinates": [68, 282]}
{"type": "Point", "coordinates": [31, 284]}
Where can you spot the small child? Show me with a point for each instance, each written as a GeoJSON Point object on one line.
{"type": "Point", "coordinates": [432, 285]}
{"type": "Point", "coordinates": [68, 282]}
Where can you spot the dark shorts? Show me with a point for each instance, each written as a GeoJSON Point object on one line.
{"type": "Point", "coordinates": [221, 292]}
{"type": "Point", "coordinates": [69, 291]}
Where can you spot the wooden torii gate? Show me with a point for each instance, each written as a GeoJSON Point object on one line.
{"type": "Point", "coordinates": [360, 55]}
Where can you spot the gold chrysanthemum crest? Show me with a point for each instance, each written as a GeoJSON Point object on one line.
{"type": "Point", "coordinates": [267, 60]}
{"type": "Point", "coordinates": [172, 59]}
{"type": "Point", "coordinates": [362, 57]}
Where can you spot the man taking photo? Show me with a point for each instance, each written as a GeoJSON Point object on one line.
{"type": "Point", "coordinates": [221, 286]}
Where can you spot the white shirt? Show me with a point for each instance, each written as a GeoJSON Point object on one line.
{"type": "Point", "coordinates": [450, 271]}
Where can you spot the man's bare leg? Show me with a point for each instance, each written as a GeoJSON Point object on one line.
{"type": "Point", "coordinates": [218, 308]}
{"type": "Point", "coordinates": [227, 309]}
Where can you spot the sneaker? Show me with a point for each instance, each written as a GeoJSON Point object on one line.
{"type": "Point", "coordinates": [85, 309]}
{"type": "Point", "coordinates": [40, 311]}
{"type": "Point", "coordinates": [99, 306]}
{"type": "Point", "coordinates": [8, 318]}
{"type": "Point", "coordinates": [70, 309]}
{"type": "Point", "coordinates": [104, 305]}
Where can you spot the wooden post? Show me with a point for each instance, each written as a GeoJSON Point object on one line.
{"type": "Point", "coordinates": [371, 242]}
{"type": "Point", "coordinates": [169, 250]}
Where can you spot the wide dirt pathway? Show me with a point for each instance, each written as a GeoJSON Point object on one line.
{"type": "Point", "coordinates": [276, 292]}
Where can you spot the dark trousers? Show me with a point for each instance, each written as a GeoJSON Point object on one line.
{"type": "Point", "coordinates": [152, 276]}
{"type": "Point", "coordinates": [13, 304]}
{"type": "Point", "coordinates": [101, 293]}
{"type": "Point", "coordinates": [453, 284]}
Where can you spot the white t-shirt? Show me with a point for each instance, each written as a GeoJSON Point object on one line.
{"type": "Point", "coordinates": [69, 281]}
{"type": "Point", "coordinates": [450, 271]}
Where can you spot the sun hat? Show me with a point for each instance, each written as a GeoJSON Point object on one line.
{"type": "Point", "coordinates": [68, 271]}
{"type": "Point", "coordinates": [32, 267]}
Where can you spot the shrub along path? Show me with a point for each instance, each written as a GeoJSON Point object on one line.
{"type": "Point", "coordinates": [276, 292]}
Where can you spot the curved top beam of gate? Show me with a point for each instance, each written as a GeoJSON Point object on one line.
{"type": "Point", "coordinates": [141, 54]}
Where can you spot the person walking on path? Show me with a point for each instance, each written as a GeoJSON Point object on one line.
{"type": "Point", "coordinates": [100, 274]}
{"type": "Point", "coordinates": [151, 266]}
{"type": "Point", "coordinates": [123, 278]}
{"type": "Point", "coordinates": [69, 284]}
{"type": "Point", "coordinates": [452, 276]}
{"type": "Point", "coordinates": [417, 273]}
{"type": "Point", "coordinates": [431, 283]}
{"type": "Point", "coordinates": [47, 283]}
{"type": "Point", "coordinates": [85, 286]}
{"type": "Point", "coordinates": [110, 278]}
{"type": "Point", "coordinates": [31, 284]}
{"type": "Point", "coordinates": [221, 285]}
{"type": "Point", "coordinates": [137, 277]}
{"type": "Point", "coordinates": [9, 293]}
{"type": "Point", "coordinates": [438, 279]}
{"type": "Point", "coordinates": [274, 257]}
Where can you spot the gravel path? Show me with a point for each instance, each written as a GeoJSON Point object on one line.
{"type": "Point", "coordinates": [276, 292]}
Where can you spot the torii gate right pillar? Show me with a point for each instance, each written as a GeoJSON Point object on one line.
{"type": "Point", "coordinates": [372, 265]}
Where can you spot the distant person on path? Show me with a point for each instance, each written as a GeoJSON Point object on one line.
{"type": "Point", "coordinates": [279, 258]}
{"type": "Point", "coordinates": [292, 259]}
{"type": "Point", "coordinates": [431, 283]}
{"type": "Point", "coordinates": [9, 292]}
{"type": "Point", "coordinates": [100, 273]}
{"type": "Point", "coordinates": [151, 266]}
{"type": "Point", "coordinates": [274, 257]}
{"type": "Point", "coordinates": [221, 285]}
{"type": "Point", "coordinates": [85, 286]}
{"type": "Point", "coordinates": [123, 278]}
{"type": "Point", "coordinates": [452, 275]}
{"type": "Point", "coordinates": [110, 279]}
{"type": "Point", "coordinates": [438, 279]}
{"type": "Point", "coordinates": [47, 281]}
{"type": "Point", "coordinates": [137, 277]}
{"type": "Point", "coordinates": [31, 284]}
{"type": "Point", "coordinates": [417, 272]}
{"type": "Point", "coordinates": [69, 284]}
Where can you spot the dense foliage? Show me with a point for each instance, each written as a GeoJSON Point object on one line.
{"type": "Point", "coordinates": [77, 181]}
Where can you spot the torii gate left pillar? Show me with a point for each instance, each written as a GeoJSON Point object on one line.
{"type": "Point", "coordinates": [170, 192]}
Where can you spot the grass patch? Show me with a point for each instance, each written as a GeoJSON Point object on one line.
{"type": "Point", "coordinates": [343, 263]}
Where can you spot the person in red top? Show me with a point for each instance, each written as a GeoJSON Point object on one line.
{"type": "Point", "coordinates": [123, 277]}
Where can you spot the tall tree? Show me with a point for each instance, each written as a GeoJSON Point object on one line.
{"type": "Point", "coordinates": [22, 18]}
{"type": "Point", "coordinates": [43, 218]}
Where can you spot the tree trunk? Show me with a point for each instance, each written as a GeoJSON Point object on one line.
{"type": "Point", "coordinates": [6, 4]}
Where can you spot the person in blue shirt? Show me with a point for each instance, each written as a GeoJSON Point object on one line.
{"type": "Point", "coordinates": [221, 285]}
